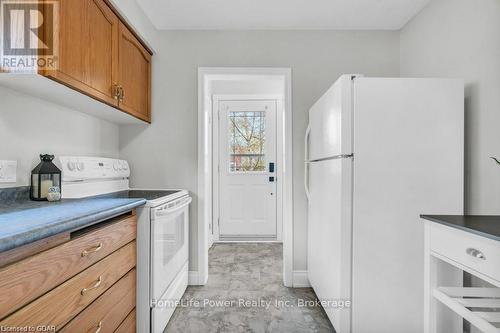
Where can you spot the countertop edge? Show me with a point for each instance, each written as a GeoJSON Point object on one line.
{"type": "Point", "coordinates": [36, 234]}
{"type": "Point", "coordinates": [459, 227]}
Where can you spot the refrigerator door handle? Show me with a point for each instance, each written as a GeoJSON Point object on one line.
{"type": "Point", "coordinates": [306, 143]}
{"type": "Point", "coordinates": [306, 165]}
{"type": "Point", "coordinates": [306, 180]}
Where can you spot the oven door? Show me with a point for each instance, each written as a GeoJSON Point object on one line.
{"type": "Point", "coordinates": [169, 244]}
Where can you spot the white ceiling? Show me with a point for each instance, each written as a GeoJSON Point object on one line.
{"type": "Point", "coordinates": [281, 14]}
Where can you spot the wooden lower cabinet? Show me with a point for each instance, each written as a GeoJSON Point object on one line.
{"type": "Point", "coordinates": [109, 310]}
{"type": "Point", "coordinates": [128, 325]}
{"type": "Point", "coordinates": [100, 297]}
{"type": "Point", "coordinates": [30, 278]}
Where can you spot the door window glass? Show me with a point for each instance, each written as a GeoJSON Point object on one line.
{"type": "Point", "coordinates": [247, 141]}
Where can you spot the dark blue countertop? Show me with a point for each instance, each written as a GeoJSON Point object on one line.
{"type": "Point", "coordinates": [23, 221]}
{"type": "Point", "coordinates": [483, 225]}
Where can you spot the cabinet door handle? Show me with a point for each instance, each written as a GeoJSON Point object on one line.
{"type": "Point", "coordinates": [116, 91]}
{"type": "Point", "coordinates": [99, 327]}
{"type": "Point", "coordinates": [94, 286]}
{"type": "Point", "coordinates": [92, 249]}
{"type": "Point", "coordinates": [122, 94]}
{"type": "Point", "coordinates": [475, 253]}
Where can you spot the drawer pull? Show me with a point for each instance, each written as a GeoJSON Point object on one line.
{"type": "Point", "coordinates": [96, 285]}
{"type": "Point", "coordinates": [99, 326]}
{"type": "Point", "coordinates": [475, 253]}
{"type": "Point", "coordinates": [92, 249]}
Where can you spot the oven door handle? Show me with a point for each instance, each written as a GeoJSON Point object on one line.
{"type": "Point", "coordinates": [165, 212]}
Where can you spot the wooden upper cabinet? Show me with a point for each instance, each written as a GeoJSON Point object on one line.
{"type": "Point", "coordinates": [98, 55]}
{"type": "Point", "coordinates": [88, 48]}
{"type": "Point", "coordinates": [134, 75]}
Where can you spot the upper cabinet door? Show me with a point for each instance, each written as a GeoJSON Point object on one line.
{"type": "Point", "coordinates": [88, 48]}
{"type": "Point", "coordinates": [134, 75]}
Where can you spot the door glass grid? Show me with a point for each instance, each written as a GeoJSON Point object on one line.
{"type": "Point", "coordinates": [247, 140]}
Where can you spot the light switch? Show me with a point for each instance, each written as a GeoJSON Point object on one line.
{"type": "Point", "coordinates": [8, 171]}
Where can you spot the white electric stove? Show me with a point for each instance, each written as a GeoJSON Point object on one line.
{"type": "Point", "coordinates": [162, 233]}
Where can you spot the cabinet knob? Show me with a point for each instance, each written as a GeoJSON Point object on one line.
{"type": "Point", "coordinates": [475, 253]}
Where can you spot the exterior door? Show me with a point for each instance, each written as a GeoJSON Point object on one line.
{"type": "Point", "coordinates": [247, 169]}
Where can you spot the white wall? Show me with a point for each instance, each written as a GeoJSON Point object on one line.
{"type": "Point", "coordinates": [30, 126]}
{"type": "Point", "coordinates": [461, 38]}
{"type": "Point", "coordinates": [165, 153]}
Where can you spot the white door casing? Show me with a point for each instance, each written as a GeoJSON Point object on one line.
{"type": "Point", "coordinates": [247, 146]}
{"type": "Point", "coordinates": [207, 198]}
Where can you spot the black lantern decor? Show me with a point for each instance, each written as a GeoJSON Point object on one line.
{"type": "Point", "coordinates": [45, 177]}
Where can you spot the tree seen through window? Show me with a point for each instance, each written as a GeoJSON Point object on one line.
{"type": "Point", "coordinates": [247, 141]}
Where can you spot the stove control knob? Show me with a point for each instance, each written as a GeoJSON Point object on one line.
{"type": "Point", "coordinates": [80, 166]}
{"type": "Point", "coordinates": [115, 166]}
{"type": "Point", "coordinates": [71, 166]}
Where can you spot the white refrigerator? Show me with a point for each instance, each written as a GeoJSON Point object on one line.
{"type": "Point", "coordinates": [379, 152]}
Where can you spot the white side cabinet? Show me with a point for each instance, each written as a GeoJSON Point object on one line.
{"type": "Point", "coordinates": [450, 251]}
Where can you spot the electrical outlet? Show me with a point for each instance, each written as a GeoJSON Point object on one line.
{"type": "Point", "coordinates": [8, 171]}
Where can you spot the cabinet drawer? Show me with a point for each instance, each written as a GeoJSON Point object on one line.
{"type": "Point", "coordinates": [109, 310]}
{"type": "Point", "coordinates": [61, 304]}
{"type": "Point", "coordinates": [128, 325]}
{"type": "Point", "coordinates": [462, 247]}
{"type": "Point", "coordinates": [30, 278]}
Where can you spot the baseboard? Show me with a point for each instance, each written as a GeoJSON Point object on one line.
{"type": "Point", "coordinates": [247, 241]}
{"type": "Point", "coordinates": [193, 278]}
{"type": "Point", "coordinates": [300, 279]}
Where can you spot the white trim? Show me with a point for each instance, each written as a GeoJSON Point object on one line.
{"type": "Point", "coordinates": [193, 278]}
{"type": "Point", "coordinates": [300, 279]}
{"type": "Point", "coordinates": [204, 187]}
{"type": "Point", "coordinates": [248, 241]}
{"type": "Point", "coordinates": [215, 236]}
{"type": "Point", "coordinates": [205, 75]}
{"type": "Point", "coordinates": [252, 97]}
{"type": "Point", "coordinates": [215, 169]}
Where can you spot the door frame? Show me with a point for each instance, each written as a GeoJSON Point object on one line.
{"type": "Point", "coordinates": [279, 99]}
{"type": "Point", "coordinates": [205, 163]}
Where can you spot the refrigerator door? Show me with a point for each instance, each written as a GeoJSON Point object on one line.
{"type": "Point", "coordinates": [330, 122]}
{"type": "Point", "coordinates": [329, 237]}
{"type": "Point", "coordinates": [409, 158]}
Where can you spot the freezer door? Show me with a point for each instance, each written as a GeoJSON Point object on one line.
{"type": "Point", "coordinates": [329, 237]}
{"type": "Point", "coordinates": [330, 122]}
